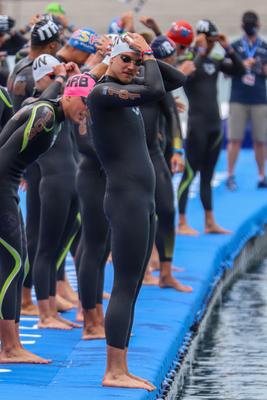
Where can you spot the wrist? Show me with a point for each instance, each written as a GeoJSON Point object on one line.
{"type": "Point", "coordinates": [229, 49]}
{"type": "Point", "coordinates": [147, 52]}
{"type": "Point", "coordinates": [63, 77]}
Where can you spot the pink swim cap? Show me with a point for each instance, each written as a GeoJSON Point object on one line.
{"type": "Point", "coordinates": [79, 85]}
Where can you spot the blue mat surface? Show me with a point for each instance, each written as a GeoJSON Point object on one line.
{"type": "Point", "coordinates": [163, 317]}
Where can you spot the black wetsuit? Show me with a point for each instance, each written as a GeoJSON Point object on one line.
{"type": "Point", "coordinates": [58, 213]}
{"type": "Point", "coordinates": [164, 196]}
{"type": "Point", "coordinates": [20, 86]}
{"type": "Point", "coordinates": [29, 133]}
{"type": "Point", "coordinates": [57, 220]}
{"type": "Point", "coordinates": [6, 107]}
{"type": "Point", "coordinates": [120, 142]}
{"type": "Point", "coordinates": [95, 241]}
{"type": "Point", "coordinates": [204, 136]}
{"type": "Point", "coordinates": [20, 82]}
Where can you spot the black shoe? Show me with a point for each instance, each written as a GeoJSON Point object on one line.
{"type": "Point", "coordinates": [263, 183]}
{"type": "Point", "coordinates": [231, 183]}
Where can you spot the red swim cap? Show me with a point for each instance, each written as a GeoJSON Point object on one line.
{"type": "Point", "coordinates": [181, 32]}
{"type": "Point", "coordinates": [79, 85]}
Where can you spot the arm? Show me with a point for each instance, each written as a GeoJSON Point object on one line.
{"type": "Point", "coordinates": [232, 64]}
{"type": "Point", "coordinates": [235, 66]}
{"type": "Point", "coordinates": [172, 78]}
{"type": "Point", "coordinates": [150, 23]}
{"type": "Point", "coordinates": [118, 95]}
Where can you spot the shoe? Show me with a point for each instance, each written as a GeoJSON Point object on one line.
{"type": "Point", "coordinates": [231, 183]}
{"type": "Point", "coordinates": [262, 184]}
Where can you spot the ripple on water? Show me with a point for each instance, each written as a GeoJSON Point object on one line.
{"type": "Point", "coordinates": [231, 363]}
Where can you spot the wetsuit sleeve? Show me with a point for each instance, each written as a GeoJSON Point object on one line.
{"type": "Point", "coordinates": [53, 91]}
{"type": "Point", "coordinates": [172, 78]}
{"type": "Point", "coordinates": [232, 65]}
{"type": "Point", "coordinates": [8, 106]}
{"type": "Point", "coordinates": [173, 124]}
{"type": "Point", "coordinates": [112, 94]}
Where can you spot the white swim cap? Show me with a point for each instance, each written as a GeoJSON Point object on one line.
{"type": "Point", "coordinates": [120, 46]}
{"type": "Point", "coordinates": [43, 65]}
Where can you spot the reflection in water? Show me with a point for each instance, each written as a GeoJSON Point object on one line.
{"type": "Point", "coordinates": [231, 363]}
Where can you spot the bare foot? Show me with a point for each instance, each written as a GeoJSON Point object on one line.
{"type": "Point", "coordinates": [150, 280]}
{"type": "Point", "coordinates": [29, 309]}
{"type": "Point", "coordinates": [67, 322]}
{"type": "Point", "coordinates": [106, 296]}
{"type": "Point", "coordinates": [178, 269]}
{"type": "Point", "coordinates": [184, 229]}
{"type": "Point", "coordinates": [171, 282]}
{"type": "Point", "coordinates": [79, 316]}
{"type": "Point", "coordinates": [21, 356]}
{"type": "Point", "coordinates": [52, 323]}
{"type": "Point", "coordinates": [94, 332]}
{"type": "Point", "coordinates": [109, 260]}
{"type": "Point", "coordinates": [142, 380]}
{"type": "Point", "coordinates": [62, 304]}
{"type": "Point", "coordinates": [214, 228]}
{"type": "Point", "coordinates": [125, 381]}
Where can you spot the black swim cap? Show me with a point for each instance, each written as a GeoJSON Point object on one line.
{"type": "Point", "coordinates": [207, 27]}
{"type": "Point", "coordinates": [6, 23]}
{"type": "Point", "coordinates": [44, 32]}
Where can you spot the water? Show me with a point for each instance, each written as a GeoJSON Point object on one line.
{"type": "Point", "coordinates": [231, 363]}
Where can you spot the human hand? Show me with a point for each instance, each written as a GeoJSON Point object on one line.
{"type": "Point", "coordinates": [249, 62]}
{"type": "Point", "coordinates": [136, 41]}
{"type": "Point", "coordinates": [187, 67]}
{"type": "Point", "coordinates": [179, 105]}
{"type": "Point", "coordinates": [72, 69]}
{"type": "Point", "coordinates": [201, 41]}
{"type": "Point", "coordinates": [103, 45]}
{"type": "Point", "coordinates": [222, 39]}
{"type": "Point", "coordinates": [177, 163]}
{"type": "Point", "coordinates": [60, 69]}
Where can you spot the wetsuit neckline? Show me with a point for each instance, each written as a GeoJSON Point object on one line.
{"type": "Point", "coordinates": [108, 78]}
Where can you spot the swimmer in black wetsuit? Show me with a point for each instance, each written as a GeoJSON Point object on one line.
{"type": "Point", "coordinates": [95, 240]}
{"type": "Point", "coordinates": [28, 134]}
{"type": "Point", "coordinates": [119, 138]}
{"type": "Point", "coordinates": [164, 197]}
{"type": "Point", "coordinates": [204, 135]}
{"type": "Point", "coordinates": [58, 201]}
{"type": "Point", "coordinates": [44, 40]}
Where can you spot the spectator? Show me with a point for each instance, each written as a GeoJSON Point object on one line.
{"type": "Point", "coordinates": [248, 100]}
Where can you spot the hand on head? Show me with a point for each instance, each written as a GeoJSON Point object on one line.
{"type": "Point", "coordinates": [103, 45]}
{"type": "Point", "coordinates": [201, 41]}
{"type": "Point", "coordinates": [136, 41]}
{"type": "Point", "coordinates": [222, 39]}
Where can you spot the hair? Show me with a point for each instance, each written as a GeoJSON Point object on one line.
{"type": "Point", "coordinates": [250, 17]}
{"type": "Point", "coordinates": [41, 47]}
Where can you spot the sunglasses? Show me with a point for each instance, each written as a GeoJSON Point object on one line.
{"type": "Point", "coordinates": [128, 60]}
{"type": "Point", "coordinates": [52, 76]}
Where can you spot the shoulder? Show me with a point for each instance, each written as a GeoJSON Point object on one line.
{"type": "Point", "coordinates": [237, 44]}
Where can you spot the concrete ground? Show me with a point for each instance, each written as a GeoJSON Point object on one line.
{"type": "Point", "coordinates": [98, 13]}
